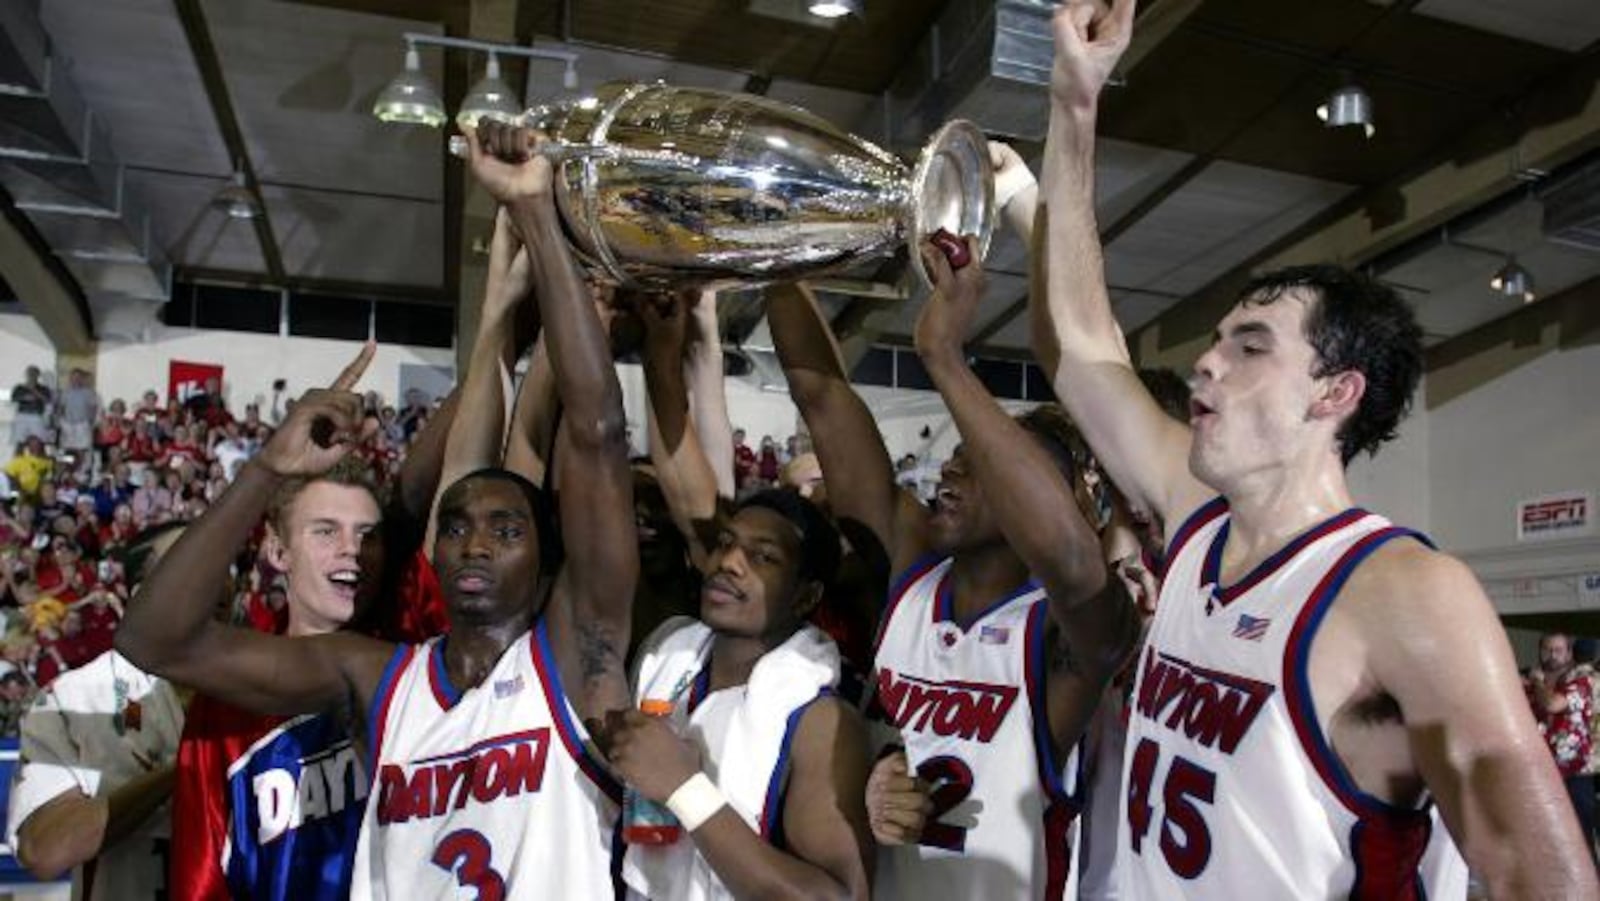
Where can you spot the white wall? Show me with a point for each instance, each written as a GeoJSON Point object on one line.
{"type": "Point", "coordinates": [250, 363]}
{"type": "Point", "coordinates": [1532, 431]}
{"type": "Point", "coordinates": [1395, 482]}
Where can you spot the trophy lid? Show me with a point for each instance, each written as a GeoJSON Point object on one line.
{"type": "Point", "coordinates": [952, 188]}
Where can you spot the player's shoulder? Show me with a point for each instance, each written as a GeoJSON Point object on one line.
{"type": "Point", "coordinates": [829, 725]}
{"type": "Point", "coordinates": [1406, 590]}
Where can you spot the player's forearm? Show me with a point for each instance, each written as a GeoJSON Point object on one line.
{"type": "Point", "coordinates": [533, 419]}
{"type": "Point", "coordinates": [1036, 508]}
{"type": "Point", "coordinates": [752, 868]}
{"type": "Point", "coordinates": [173, 606]}
{"type": "Point", "coordinates": [580, 353]}
{"type": "Point", "coordinates": [1072, 316]}
{"type": "Point", "coordinates": [130, 805]}
{"type": "Point", "coordinates": [708, 399]}
{"type": "Point", "coordinates": [685, 475]}
{"type": "Point", "coordinates": [64, 833]}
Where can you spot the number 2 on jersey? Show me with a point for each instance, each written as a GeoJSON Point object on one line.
{"type": "Point", "coordinates": [1185, 839]}
{"type": "Point", "coordinates": [951, 780]}
{"type": "Point", "coordinates": [466, 853]}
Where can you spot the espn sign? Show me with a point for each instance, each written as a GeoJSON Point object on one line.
{"type": "Point", "coordinates": [1555, 516]}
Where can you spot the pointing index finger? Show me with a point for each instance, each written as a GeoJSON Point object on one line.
{"type": "Point", "coordinates": [352, 373]}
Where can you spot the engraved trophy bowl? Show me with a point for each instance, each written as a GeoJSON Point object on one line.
{"type": "Point", "coordinates": [661, 186]}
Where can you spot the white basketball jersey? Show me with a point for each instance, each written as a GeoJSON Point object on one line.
{"type": "Point", "coordinates": [967, 701]}
{"type": "Point", "coordinates": [487, 790]}
{"type": "Point", "coordinates": [1230, 788]}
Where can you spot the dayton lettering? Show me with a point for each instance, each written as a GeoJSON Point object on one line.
{"type": "Point", "coordinates": [966, 709]}
{"type": "Point", "coordinates": [501, 767]}
{"type": "Point", "coordinates": [1210, 707]}
{"type": "Point", "coordinates": [325, 785]}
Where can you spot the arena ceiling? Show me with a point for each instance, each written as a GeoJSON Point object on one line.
{"type": "Point", "coordinates": [1212, 161]}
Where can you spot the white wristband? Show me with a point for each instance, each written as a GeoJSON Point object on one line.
{"type": "Point", "coordinates": [696, 801]}
{"type": "Point", "coordinates": [1010, 183]}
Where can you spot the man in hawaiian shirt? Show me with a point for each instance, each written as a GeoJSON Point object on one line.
{"type": "Point", "coordinates": [1562, 699]}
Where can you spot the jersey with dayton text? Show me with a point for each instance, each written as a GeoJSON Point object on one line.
{"type": "Point", "coordinates": [488, 790]}
{"type": "Point", "coordinates": [967, 701]}
{"type": "Point", "coordinates": [1230, 787]}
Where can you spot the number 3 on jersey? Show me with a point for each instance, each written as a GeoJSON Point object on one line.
{"type": "Point", "coordinates": [466, 853]}
{"type": "Point", "coordinates": [1185, 839]}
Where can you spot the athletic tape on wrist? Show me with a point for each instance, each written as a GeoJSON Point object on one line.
{"type": "Point", "coordinates": [696, 801]}
{"type": "Point", "coordinates": [1010, 183]}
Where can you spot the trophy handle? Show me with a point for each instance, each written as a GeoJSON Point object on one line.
{"type": "Point", "coordinates": [952, 188]}
{"type": "Point", "coordinates": [556, 152]}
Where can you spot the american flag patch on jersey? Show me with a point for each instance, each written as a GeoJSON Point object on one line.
{"type": "Point", "coordinates": [505, 688]}
{"type": "Point", "coordinates": [994, 634]}
{"type": "Point", "coordinates": [1251, 628]}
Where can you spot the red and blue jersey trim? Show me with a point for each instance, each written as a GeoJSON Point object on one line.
{"type": "Point", "coordinates": [1387, 842]}
{"type": "Point", "coordinates": [382, 697]}
{"type": "Point", "coordinates": [897, 592]}
{"type": "Point", "coordinates": [944, 603]}
{"type": "Point", "coordinates": [556, 699]}
{"type": "Point", "coordinates": [1211, 568]}
{"type": "Point", "coordinates": [444, 691]}
{"type": "Point", "coordinates": [1193, 523]}
{"type": "Point", "coordinates": [1062, 808]}
{"type": "Point", "coordinates": [777, 784]}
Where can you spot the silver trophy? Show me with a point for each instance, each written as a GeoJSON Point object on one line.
{"type": "Point", "coordinates": [661, 186]}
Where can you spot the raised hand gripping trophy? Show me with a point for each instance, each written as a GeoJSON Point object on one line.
{"type": "Point", "coordinates": [660, 186]}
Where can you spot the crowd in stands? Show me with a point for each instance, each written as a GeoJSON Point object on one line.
{"type": "Point", "coordinates": [82, 479]}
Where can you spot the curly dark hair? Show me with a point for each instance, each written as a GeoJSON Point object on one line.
{"type": "Point", "coordinates": [819, 540]}
{"type": "Point", "coordinates": [1359, 324]}
{"type": "Point", "coordinates": [1060, 437]}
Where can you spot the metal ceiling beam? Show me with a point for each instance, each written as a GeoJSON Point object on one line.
{"type": "Point", "coordinates": [399, 293]}
{"type": "Point", "coordinates": [1473, 358]}
{"type": "Point", "coordinates": [44, 286]}
{"type": "Point", "coordinates": [209, 63]}
{"type": "Point", "coordinates": [1563, 116]}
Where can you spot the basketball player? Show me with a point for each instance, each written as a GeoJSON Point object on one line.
{"type": "Point", "coordinates": [482, 778]}
{"type": "Point", "coordinates": [1315, 678]}
{"type": "Point", "coordinates": [236, 832]}
{"type": "Point", "coordinates": [986, 676]}
{"type": "Point", "coordinates": [782, 760]}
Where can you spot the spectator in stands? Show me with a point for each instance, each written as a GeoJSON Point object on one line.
{"type": "Point", "coordinates": [183, 448]}
{"type": "Point", "coordinates": [744, 461]}
{"type": "Point", "coordinates": [50, 507]}
{"type": "Point", "coordinates": [33, 402]}
{"type": "Point", "coordinates": [767, 464]}
{"type": "Point", "coordinates": [114, 489]}
{"type": "Point", "coordinates": [111, 430]}
{"type": "Point", "coordinates": [30, 468]}
{"type": "Point", "coordinates": [231, 449]}
{"type": "Point", "coordinates": [15, 696]}
{"type": "Point", "coordinates": [207, 406]}
{"type": "Point", "coordinates": [144, 444]}
{"type": "Point", "coordinates": [1562, 698]}
{"type": "Point", "coordinates": [79, 407]}
{"type": "Point", "coordinates": [97, 752]}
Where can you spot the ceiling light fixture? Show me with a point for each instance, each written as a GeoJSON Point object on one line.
{"type": "Point", "coordinates": [236, 199]}
{"type": "Point", "coordinates": [1348, 105]}
{"type": "Point", "coordinates": [1514, 281]}
{"type": "Point", "coordinates": [490, 98]}
{"type": "Point", "coordinates": [411, 98]}
{"type": "Point", "coordinates": [834, 9]}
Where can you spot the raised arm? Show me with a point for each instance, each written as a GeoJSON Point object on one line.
{"type": "Point", "coordinates": [170, 629]}
{"type": "Point", "coordinates": [477, 437]}
{"type": "Point", "coordinates": [855, 463]}
{"type": "Point", "coordinates": [533, 418]}
{"type": "Point", "coordinates": [593, 599]}
{"type": "Point", "coordinates": [1035, 507]}
{"type": "Point", "coordinates": [681, 464]}
{"type": "Point", "coordinates": [708, 397]}
{"type": "Point", "coordinates": [1075, 334]}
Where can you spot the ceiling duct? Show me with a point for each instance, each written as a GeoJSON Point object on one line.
{"type": "Point", "coordinates": [1572, 209]}
{"type": "Point", "coordinates": [987, 61]}
{"type": "Point", "coordinates": [57, 164]}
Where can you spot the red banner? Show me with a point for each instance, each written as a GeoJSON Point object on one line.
{"type": "Point", "coordinates": [186, 379]}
